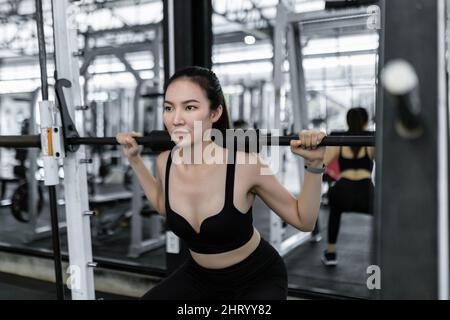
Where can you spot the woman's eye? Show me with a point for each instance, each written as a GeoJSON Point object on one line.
{"type": "Point", "coordinates": [190, 107]}
{"type": "Point", "coordinates": [167, 108]}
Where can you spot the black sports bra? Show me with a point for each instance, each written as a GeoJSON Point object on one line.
{"type": "Point", "coordinates": [355, 163]}
{"type": "Point", "coordinates": [226, 230]}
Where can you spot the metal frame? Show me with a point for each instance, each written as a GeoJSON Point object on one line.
{"type": "Point", "coordinates": [76, 192]}
{"type": "Point", "coordinates": [412, 209]}
{"type": "Point", "coordinates": [138, 245]}
{"type": "Point", "coordinates": [34, 232]}
{"type": "Point", "coordinates": [354, 20]}
{"type": "Point", "coordinates": [288, 29]}
{"type": "Point", "coordinates": [443, 148]}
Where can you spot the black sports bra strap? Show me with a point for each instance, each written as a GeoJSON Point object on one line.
{"type": "Point", "coordinates": [231, 167]}
{"type": "Point", "coordinates": [169, 162]}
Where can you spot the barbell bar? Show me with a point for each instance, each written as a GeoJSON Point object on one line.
{"type": "Point", "coordinates": [159, 140]}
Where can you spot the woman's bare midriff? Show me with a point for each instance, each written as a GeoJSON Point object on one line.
{"type": "Point", "coordinates": [358, 174]}
{"type": "Point", "coordinates": [229, 258]}
{"type": "Point", "coordinates": [355, 174]}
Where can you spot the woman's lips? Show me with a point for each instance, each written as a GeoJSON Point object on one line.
{"type": "Point", "coordinates": [180, 131]}
{"type": "Point", "coordinates": [179, 134]}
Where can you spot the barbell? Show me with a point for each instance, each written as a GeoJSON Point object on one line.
{"type": "Point", "coordinates": [159, 140]}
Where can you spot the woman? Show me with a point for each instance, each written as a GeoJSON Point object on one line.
{"type": "Point", "coordinates": [354, 189]}
{"type": "Point", "coordinates": [210, 205]}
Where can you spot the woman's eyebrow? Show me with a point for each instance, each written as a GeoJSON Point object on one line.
{"type": "Point", "coordinates": [183, 102]}
{"type": "Point", "coordinates": [190, 100]}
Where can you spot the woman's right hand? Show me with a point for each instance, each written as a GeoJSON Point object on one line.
{"type": "Point", "coordinates": [130, 147]}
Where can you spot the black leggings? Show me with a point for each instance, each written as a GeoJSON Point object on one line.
{"type": "Point", "coordinates": [348, 196]}
{"type": "Point", "coordinates": [260, 276]}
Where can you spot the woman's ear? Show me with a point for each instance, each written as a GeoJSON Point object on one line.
{"type": "Point", "coordinates": [216, 114]}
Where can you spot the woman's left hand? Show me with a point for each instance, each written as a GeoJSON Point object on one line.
{"type": "Point", "coordinates": [307, 146]}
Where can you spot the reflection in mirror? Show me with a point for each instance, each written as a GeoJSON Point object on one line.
{"type": "Point", "coordinates": [336, 68]}
{"type": "Point", "coordinates": [319, 72]}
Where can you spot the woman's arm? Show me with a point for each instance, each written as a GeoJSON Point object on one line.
{"type": "Point", "coordinates": [331, 153]}
{"type": "Point", "coordinates": [151, 185]}
{"type": "Point", "coordinates": [299, 212]}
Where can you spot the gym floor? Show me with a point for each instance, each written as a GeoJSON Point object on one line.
{"type": "Point", "coordinates": [13, 287]}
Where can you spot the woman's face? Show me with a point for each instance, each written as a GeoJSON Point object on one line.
{"type": "Point", "coordinates": [186, 105]}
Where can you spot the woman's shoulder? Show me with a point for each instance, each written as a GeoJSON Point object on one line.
{"type": "Point", "coordinates": [162, 157]}
{"type": "Point", "coordinates": [250, 164]}
{"type": "Point", "coordinates": [161, 161]}
{"type": "Point", "coordinates": [246, 158]}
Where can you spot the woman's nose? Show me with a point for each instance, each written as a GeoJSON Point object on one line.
{"type": "Point", "coordinates": [177, 117]}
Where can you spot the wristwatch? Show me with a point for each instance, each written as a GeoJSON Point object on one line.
{"type": "Point", "coordinates": [316, 170]}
